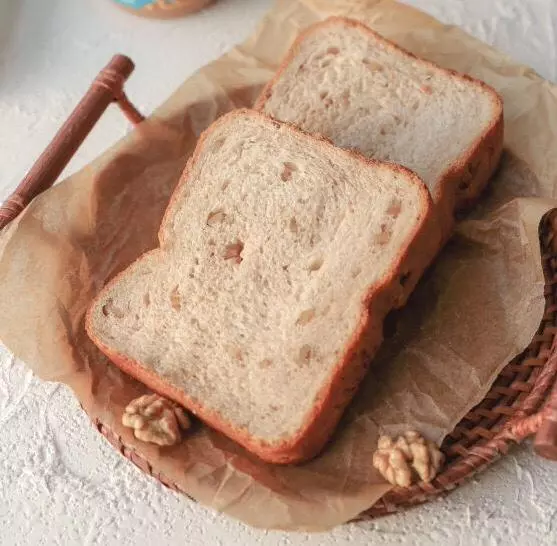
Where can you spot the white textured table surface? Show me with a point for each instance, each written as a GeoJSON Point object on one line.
{"type": "Point", "coordinates": [60, 483]}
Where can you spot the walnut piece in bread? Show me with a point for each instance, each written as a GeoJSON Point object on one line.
{"type": "Point", "coordinates": [156, 420]}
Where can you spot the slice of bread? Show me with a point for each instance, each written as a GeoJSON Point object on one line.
{"type": "Point", "coordinates": [280, 255]}
{"type": "Point", "coordinates": [344, 81]}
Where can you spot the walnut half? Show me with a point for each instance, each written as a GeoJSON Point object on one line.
{"type": "Point", "coordinates": [156, 420]}
{"type": "Point", "coordinates": [410, 457]}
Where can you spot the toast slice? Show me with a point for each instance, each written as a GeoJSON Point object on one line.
{"type": "Point", "coordinates": [346, 82]}
{"type": "Point", "coordinates": [280, 255]}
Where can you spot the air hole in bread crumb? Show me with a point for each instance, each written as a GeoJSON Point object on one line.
{"type": "Point", "coordinates": [356, 272]}
{"type": "Point", "coordinates": [225, 185]}
{"type": "Point", "coordinates": [146, 299]}
{"type": "Point", "coordinates": [328, 102]}
{"type": "Point", "coordinates": [305, 355]}
{"type": "Point", "coordinates": [293, 225]}
{"type": "Point", "coordinates": [218, 144]}
{"type": "Point", "coordinates": [287, 171]}
{"type": "Point", "coordinates": [325, 63]}
{"type": "Point", "coordinates": [216, 217]}
{"type": "Point", "coordinates": [233, 251]}
{"type": "Point", "coordinates": [110, 309]}
{"type": "Point", "coordinates": [316, 264]}
{"type": "Point", "coordinates": [323, 95]}
{"type": "Point", "coordinates": [265, 363]}
{"type": "Point", "coordinates": [372, 65]}
{"type": "Point", "coordinates": [333, 50]}
{"type": "Point", "coordinates": [314, 238]}
{"type": "Point", "coordinates": [383, 131]}
{"type": "Point", "coordinates": [306, 317]}
{"type": "Point", "coordinates": [176, 299]}
{"type": "Point", "coordinates": [394, 208]}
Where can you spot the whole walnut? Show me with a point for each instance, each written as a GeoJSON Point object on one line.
{"type": "Point", "coordinates": [402, 461]}
{"type": "Point", "coordinates": [156, 420]}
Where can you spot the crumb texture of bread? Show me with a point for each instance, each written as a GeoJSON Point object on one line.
{"type": "Point", "coordinates": [349, 84]}
{"type": "Point", "coordinates": [271, 246]}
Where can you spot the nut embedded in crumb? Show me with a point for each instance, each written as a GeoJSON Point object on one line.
{"type": "Point", "coordinates": [216, 217]}
{"type": "Point", "coordinates": [176, 299]}
{"type": "Point", "coordinates": [410, 457]}
{"type": "Point", "coordinates": [287, 171]}
{"type": "Point", "coordinates": [305, 355]}
{"type": "Point", "coordinates": [156, 420]}
{"type": "Point", "coordinates": [345, 97]}
{"type": "Point", "coordinates": [395, 207]}
{"type": "Point", "coordinates": [235, 352]}
{"type": "Point", "coordinates": [384, 236]}
{"type": "Point", "coordinates": [233, 252]}
{"type": "Point", "coordinates": [293, 225]}
{"type": "Point", "coordinates": [306, 317]}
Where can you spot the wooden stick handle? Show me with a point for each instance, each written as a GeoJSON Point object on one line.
{"type": "Point", "coordinates": [107, 87]}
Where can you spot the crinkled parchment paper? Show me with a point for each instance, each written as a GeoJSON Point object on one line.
{"type": "Point", "coordinates": [477, 307]}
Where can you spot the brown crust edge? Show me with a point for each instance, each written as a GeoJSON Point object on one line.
{"type": "Point", "coordinates": [462, 183]}
{"type": "Point", "coordinates": [337, 393]}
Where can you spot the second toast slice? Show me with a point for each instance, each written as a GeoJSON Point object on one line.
{"type": "Point", "coordinates": [348, 83]}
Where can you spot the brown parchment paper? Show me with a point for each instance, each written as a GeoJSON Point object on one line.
{"type": "Point", "coordinates": [477, 307]}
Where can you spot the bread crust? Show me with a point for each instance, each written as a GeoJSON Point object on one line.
{"type": "Point", "coordinates": [334, 396]}
{"type": "Point", "coordinates": [462, 183]}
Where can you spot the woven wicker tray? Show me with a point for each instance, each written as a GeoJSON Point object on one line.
{"type": "Point", "coordinates": [522, 401]}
